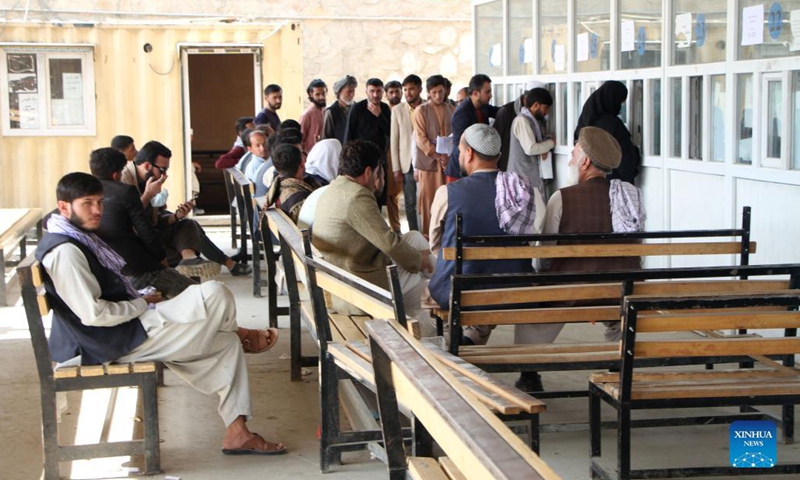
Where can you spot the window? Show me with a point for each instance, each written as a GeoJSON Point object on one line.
{"type": "Point", "coordinates": [50, 91]}
{"type": "Point", "coordinates": [796, 120]}
{"type": "Point", "coordinates": [564, 133]}
{"type": "Point", "coordinates": [696, 118]}
{"type": "Point", "coordinates": [553, 52]}
{"type": "Point", "coordinates": [592, 35]}
{"type": "Point", "coordinates": [655, 94]}
{"type": "Point", "coordinates": [773, 122]}
{"type": "Point", "coordinates": [640, 34]}
{"type": "Point", "coordinates": [698, 31]}
{"type": "Point", "coordinates": [520, 37]}
{"type": "Point", "coordinates": [771, 37]}
{"type": "Point", "coordinates": [636, 114]}
{"type": "Point", "coordinates": [489, 42]}
{"type": "Point", "coordinates": [744, 117]}
{"type": "Point", "coordinates": [677, 109]}
{"type": "Point", "coordinates": [718, 118]}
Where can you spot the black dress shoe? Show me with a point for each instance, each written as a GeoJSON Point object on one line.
{"type": "Point", "coordinates": [529, 382]}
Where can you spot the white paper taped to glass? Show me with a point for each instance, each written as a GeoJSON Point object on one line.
{"type": "Point", "coordinates": [444, 144]}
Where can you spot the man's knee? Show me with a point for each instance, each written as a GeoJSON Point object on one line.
{"type": "Point", "coordinates": [214, 290]}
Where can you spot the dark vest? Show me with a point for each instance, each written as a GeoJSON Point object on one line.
{"type": "Point", "coordinates": [587, 209]}
{"type": "Point", "coordinates": [339, 116]}
{"type": "Point", "coordinates": [68, 336]}
{"type": "Point", "coordinates": [472, 197]}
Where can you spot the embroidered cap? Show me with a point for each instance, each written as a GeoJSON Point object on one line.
{"type": "Point", "coordinates": [483, 139]}
{"type": "Point", "coordinates": [601, 147]}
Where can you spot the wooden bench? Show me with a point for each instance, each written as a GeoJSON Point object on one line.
{"type": "Point", "coordinates": [233, 209]}
{"type": "Point", "coordinates": [646, 319]}
{"type": "Point", "coordinates": [142, 375]}
{"type": "Point", "coordinates": [15, 223]}
{"type": "Point", "coordinates": [476, 444]}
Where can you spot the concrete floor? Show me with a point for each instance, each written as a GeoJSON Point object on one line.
{"type": "Point", "coordinates": [191, 430]}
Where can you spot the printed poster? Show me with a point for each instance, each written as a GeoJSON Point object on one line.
{"type": "Point", "coordinates": [683, 30]}
{"type": "Point", "coordinates": [753, 25]}
{"type": "Point", "coordinates": [582, 53]}
{"type": "Point", "coordinates": [628, 36]}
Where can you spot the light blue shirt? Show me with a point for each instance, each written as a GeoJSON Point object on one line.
{"type": "Point", "coordinates": [252, 168]}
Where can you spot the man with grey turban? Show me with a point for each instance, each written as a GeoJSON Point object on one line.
{"type": "Point", "coordinates": [335, 122]}
{"type": "Point", "coordinates": [490, 203]}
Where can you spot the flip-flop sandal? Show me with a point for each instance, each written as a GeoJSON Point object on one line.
{"type": "Point", "coordinates": [250, 447]}
{"type": "Point", "coordinates": [251, 346]}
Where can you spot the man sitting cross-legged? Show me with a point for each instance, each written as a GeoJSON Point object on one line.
{"type": "Point", "coordinates": [98, 315]}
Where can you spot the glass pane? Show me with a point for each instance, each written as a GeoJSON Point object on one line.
{"type": "Point", "coordinates": [717, 118]}
{"type": "Point", "coordinates": [23, 90]}
{"type": "Point", "coordinates": [796, 121]}
{"type": "Point", "coordinates": [699, 29]}
{"type": "Point", "coordinates": [498, 94]}
{"type": "Point", "coordinates": [489, 42]}
{"type": "Point", "coordinates": [655, 88]}
{"type": "Point", "coordinates": [776, 39]}
{"type": "Point", "coordinates": [696, 118]}
{"type": "Point", "coordinates": [562, 139]}
{"type": "Point", "coordinates": [520, 37]}
{"type": "Point", "coordinates": [744, 117]}
{"type": "Point", "coordinates": [66, 92]}
{"type": "Point", "coordinates": [640, 46]}
{"type": "Point", "coordinates": [553, 51]}
{"type": "Point", "coordinates": [636, 102]}
{"type": "Point", "coordinates": [677, 124]}
{"type": "Point", "coordinates": [774, 118]}
{"type": "Point", "coordinates": [578, 104]}
{"type": "Point", "coordinates": [592, 35]}
{"type": "Point", "coordinates": [552, 116]}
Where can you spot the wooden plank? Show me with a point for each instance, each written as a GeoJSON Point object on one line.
{"type": "Point", "coordinates": [450, 468]}
{"type": "Point", "coordinates": [548, 293]}
{"type": "Point", "coordinates": [424, 468]}
{"type": "Point", "coordinates": [44, 306]}
{"type": "Point", "coordinates": [118, 368]}
{"type": "Point", "coordinates": [487, 381]}
{"type": "Point", "coordinates": [598, 250]}
{"type": "Point", "coordinates": [739, 389]}
{"type": "Point", "coordinates": [540, 315]}
{"type": "Point", "coordinates": [352, 363]}
{"type": "Point", "coordinates": [92, 371]}
{"type": "Point", "coordinates": [358, 414]}
{"type": "Point", "coordinates": [144, 367]}
{"type": "Point", "coordinates": [345, 325]}
{"type": "Point", "coordinates": [712, 321]}
{"type": "Point", "coordinates": [17, 222]}
{"type": "Point", "coordinates": [716, 346]}
{"type": "Point", "coordinates": [543, 359]}
{"type": "Point", "coordinates": [349, 294]}
{"type": "Point", "coordinates": [66, 372]}
{"type": "Point", "coordinates": [360, 321]}
{"type": "Point", "coordinates": [696, 376]}
{"type": "Point", "coordinates": [36, 274]}
{"type": "Point", "coordinates": [336, 334]}
{"type": "Point", "coordinates": [708, 287]}
{"type": "Point", "coordinates": [488, 350]}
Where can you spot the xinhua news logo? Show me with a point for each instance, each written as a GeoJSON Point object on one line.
{"type": "Point", "coordinates": [753, 444]}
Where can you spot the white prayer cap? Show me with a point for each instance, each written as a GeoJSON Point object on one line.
{"type": "Point", "coordinates": [483, 139]}
{"type": "Point", "coordinates": [531, 84]}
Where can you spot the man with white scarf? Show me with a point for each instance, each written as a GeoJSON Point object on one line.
{"type": "Point", "coordinates": [591, 204]}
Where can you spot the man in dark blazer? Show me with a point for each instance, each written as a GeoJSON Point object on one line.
{"type": "Point", "coordinates": [475, 109]}
{"type": "Point", "coordinates": [127, 230]}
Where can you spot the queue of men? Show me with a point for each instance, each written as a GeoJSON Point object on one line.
{"type": "Point", "coordinates": [122, 268]}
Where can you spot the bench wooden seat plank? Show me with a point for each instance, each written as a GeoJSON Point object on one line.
{"type": "Point", "coordinates": [717, 321]}
{"type": "Point", "coordinates": [540, 315]}
{"type": "Point", "coordinates": [347, 327]}
{"type": "Point", "coordinates": [479, 351]}
{"type": "Point", "coordinates": [450, 468]}
{"type": "Point", "coordinates": [422, 468]}
{"type": "Point", "coordinates": [741, 388]}
{"type": "Point", "coordinates": [544, 359]}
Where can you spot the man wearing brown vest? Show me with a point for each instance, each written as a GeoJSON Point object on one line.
{"type": "Point", "coordinates": [592, 204]}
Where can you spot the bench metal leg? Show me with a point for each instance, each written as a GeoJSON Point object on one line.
{"type": "Point", "coordinates": [594, 422]}
{"type": "Point", "coordinates": [295, 343]}
{"type": "Point", "coordinates": [50, 433]}
{"type": "Point", "coordinates": [788, 424]}
{"type": "Point", "coordinates": [329, 415]}
{"type": "Point", "coordinates": [533, 434]}
{"type": "Point", "coordinates": [624, 441]}
{"type": "Point", "coordinates": [256, 267]}
{"type": "Point", "coordinates": [152, 448]}
{"type": "Point", "coordinates": [3, 300]}
{"type": "Point", "coordinates": [423, 441]}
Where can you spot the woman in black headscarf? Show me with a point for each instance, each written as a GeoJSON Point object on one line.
{"type": "Point", "coordinates": [601, 110]}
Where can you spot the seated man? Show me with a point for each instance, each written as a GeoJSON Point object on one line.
{"type": "Point", "coordinates": [291, 188]}
{"type": "Point", "coordinates": [258, 149]}
{"type": "Point", "coordinates": [126, 145]}
{"type": "Point", "coordinates": [124, 227]}
{"type": "Point", "coordinates": [98, 315]}
{"type": "Point", "coordinates": [485, 210]}
{"type": "Point", "coordinates": [350, 232]}
{"type": "Point", "coordinates": [592, 204]}
{"type": "Point", "coordinates": [183, 237]}
{"type": "Point", "coordinates": [231, 157]}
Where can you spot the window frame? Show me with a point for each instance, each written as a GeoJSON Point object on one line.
{"type": "Point", "coordinates": [44, 53]}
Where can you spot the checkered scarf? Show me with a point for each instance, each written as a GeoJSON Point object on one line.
{"type": "Point", "coordinates": [105, 255]}
{"type": "Point", "coordinates": [627, 208]}
{"type": "Point", "coordinates": [514, 204]}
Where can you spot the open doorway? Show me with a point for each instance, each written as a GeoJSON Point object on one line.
{"type": "Point", "coordinates": [220, 84]}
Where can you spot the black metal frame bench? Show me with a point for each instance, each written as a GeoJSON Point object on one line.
{"type": "Point", "coordinates": [15, 238]}
{"type": "Point", "coordinates": [142, 375]}
{"type": "Point", "coordinates": [774, 383]}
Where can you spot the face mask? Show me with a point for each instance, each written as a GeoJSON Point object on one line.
{"type": "Point", "coordinates": [160, 199]}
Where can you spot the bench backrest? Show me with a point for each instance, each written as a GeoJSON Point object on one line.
{"type": "Point", "coordinates": [473, 438]}
{"type": "Point", "coordinates": [589, 296]}
{"type": "Point", "coordinates": [491, 247]}
{"type": "Point", "coordinates": [34, 299]}
{"type": "Point", "coordinates": [242, 190]}
{"type": "Point", "coordinates": [646, 315]}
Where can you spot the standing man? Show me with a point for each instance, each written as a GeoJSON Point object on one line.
{"type": "Point", "coordinates": [394, 93]}
{"type": "Point", "coordinates": [335, 122]}
{"type": "Point", "coordinates": [432, 120]}
{"type": "Point", "coordinates": [314, 116]}
{"type": "Point", "coordinates": [475, 109]}
{"type": "Point", "coordinates": [273, 99]}
{"type": "Point", "coordinates": [529, 145]}
{"type": "Point", "coordinates": [403, 146]}
{"type": "Point", "coordinates": [506, 115]}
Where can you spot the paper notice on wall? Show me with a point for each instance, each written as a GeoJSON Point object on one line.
{"type": "Point", "coordinates": [627, 36]}
{"type": "Point", "coordinates": [560, 58]}
{"type": "Point", "coordinates": [582, 50]}
{"type": "Point", "coordinates": [753, 25]}
{"type": "Point", "coordinates": [528, 48]}
{"type": "Point", "coordinates": [683, 30]}
{"type": "Point", "coordinates": [496, 55]}
{"type": "Point", "coordinates": [73, 85]}
{"type": "Point", "coordinates": [794, 21]}
{"type": "Point", "coordinates": [67, 112]}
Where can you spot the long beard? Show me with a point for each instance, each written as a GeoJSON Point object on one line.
{"type": "Point", "coordinates": [320, 103]}
{"type": "Point", "coordinates": [573, 176]}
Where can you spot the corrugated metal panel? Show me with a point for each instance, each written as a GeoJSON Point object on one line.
{"type": "Point", "coordinates": [138, 94]}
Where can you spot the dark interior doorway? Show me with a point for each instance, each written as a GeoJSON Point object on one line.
{"type": "Point", "coordinates": [222, 88]}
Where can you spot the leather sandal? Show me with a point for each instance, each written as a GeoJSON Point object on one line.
{"type": "Point", "coordinates": [259, 341]}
